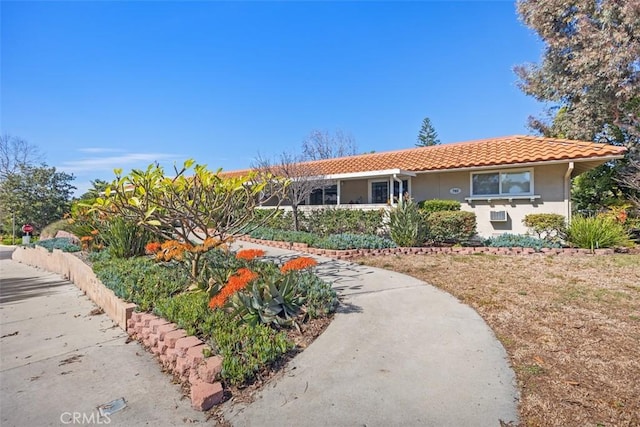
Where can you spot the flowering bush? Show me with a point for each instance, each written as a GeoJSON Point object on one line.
{"type": "Point", "coordinates": [191, 254]}
{"type": "Point", "coordinates": [249, 254]}
{"type": "Point", "coordinates": [238, 281]}
{"type": "Point", "coordinates": [300, 263]}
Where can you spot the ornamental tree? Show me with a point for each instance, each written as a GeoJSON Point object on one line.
{"type": "Point", "coordinates": [198, 207]}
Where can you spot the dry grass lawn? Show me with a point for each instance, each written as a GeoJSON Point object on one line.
{"type": "Point", "coordinates": [571, 327]}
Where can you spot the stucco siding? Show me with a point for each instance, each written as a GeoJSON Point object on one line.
{"type": "Point", "coordinates": [353, 191]}
{"type": "Point", "coordinates": [548, 183]}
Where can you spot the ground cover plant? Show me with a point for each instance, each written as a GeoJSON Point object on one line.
{"type": "Point", "coordinates": [251, 310]}
{"type": "Point", "coordinates": [570, 325]}
{"type": "Point", "coordinates": [63, 243]}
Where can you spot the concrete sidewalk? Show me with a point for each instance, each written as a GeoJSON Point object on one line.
{"type": "Point", "coordinates": [58, 362]}
{"type": "Point", "coordinates": [398, 353]}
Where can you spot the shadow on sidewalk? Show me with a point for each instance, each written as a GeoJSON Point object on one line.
{"type": "Point", "coordinates": [17, 289]}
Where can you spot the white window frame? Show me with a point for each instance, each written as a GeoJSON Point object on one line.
{"type": "Point", "coordinates": [390, 187]}
{"type": "Point", "coordinates": [500, 194]}
{"type": "Point", "coordinates": [370, 183]}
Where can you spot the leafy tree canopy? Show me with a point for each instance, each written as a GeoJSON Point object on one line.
{"type": "Point", "coordinates": [590, 78]}
{"type": "Point", "coordinates": [590, 69]}
{"type": "Point", "coordinates": [38, 195]}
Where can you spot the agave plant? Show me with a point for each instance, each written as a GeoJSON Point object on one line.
{"type": "Point", "coordinates": [273, 300]}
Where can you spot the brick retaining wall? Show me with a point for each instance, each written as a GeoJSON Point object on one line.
{"type": "Point", "coordinates": [75, 270]}
{"type": "Point", "coordinates": [458, 250]}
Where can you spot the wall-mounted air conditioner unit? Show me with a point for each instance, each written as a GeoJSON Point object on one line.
{"type": "Point", "coordinates": [498, 216]}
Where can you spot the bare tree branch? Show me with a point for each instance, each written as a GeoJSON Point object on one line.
{"type": "Point", "coordinates": [320, 144]}
{"type": "Point", "coordinates": [15, 153]}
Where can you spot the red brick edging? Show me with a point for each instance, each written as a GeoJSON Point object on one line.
{"type": "Point", "coordinates": [181, 355]}
{"type": "Point", "coordinates": [461, 250]}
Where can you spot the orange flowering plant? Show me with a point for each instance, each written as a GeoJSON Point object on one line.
{"type": "Point", "coordinates": [152, 248]}
{"type": "Point", "coordinates": [190, 253]}
{"type": "Point", "coordinates": [269, 294]}
{"type": "Point", "coordinates": [249, 254]}
{"type": "Point", "coordinates": [235, 283]}
{"type": "Point", "coordinates": [300, 263]}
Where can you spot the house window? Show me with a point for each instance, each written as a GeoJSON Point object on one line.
{"type": "Point", "coordinates": [396, 188]}
{"type": "Point", "coordinates": [324, 196]}
{"type": "Point", "coordinates": [379, 192]}
{"type": "Point", "coordinates": [518, 182]}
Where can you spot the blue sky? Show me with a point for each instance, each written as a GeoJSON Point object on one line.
{"type": "Point", "coordinates": [104, 85]}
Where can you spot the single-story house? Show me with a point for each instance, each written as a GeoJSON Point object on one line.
{"type": "Point", "coordinates": [499, 179]}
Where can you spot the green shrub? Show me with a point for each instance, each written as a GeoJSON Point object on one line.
{"type": "Point", "coordinates": [62, 243]}
{"type": "Point", "coordinates": [140, 280]}
{"type": "Point", "coordinates": [596, 232]}
{"type": "Point", "coordinates": [124, 239]}
{"type": "Point", "coordinates": [283, 235]}
{"type": "Point", "coordinates": [326, 221]}
{"type": "Point", "coordinates": [320, 299]}
{"type": "Point", "coordinates": [632, 225]}
{"type": "Point", "coordinates": [450, 226]}
{"type": "Point", "coordinates": [438, 205]}
{"type": "Point", "coordinates": [406, 224]}
{"type": "Point", "coordinates": [354, 241]}
{"type": "Point", "coordinates": [520, 241]}
{"type": "Point", "coordinates": [546, 226]}
{"type": "Point", "coordinates": [280, 220]}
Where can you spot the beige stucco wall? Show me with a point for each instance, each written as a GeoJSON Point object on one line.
{"type": "Point", "coordinates": [353, 191]}
{"type": "Point", "coordinates": [549, 184]}
{"type": "Point", "coordinates": [548, 181]}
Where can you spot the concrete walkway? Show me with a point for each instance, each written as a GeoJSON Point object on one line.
{"type": "Point", "coordinates": [398, 353]}
{"type": "Point", "coordinates": [58, 362]}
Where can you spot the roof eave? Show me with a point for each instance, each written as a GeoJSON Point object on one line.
{"type": "Point", "coordinates": [370, 174]}
{"type": "Point", "coordinates": [603, 159]}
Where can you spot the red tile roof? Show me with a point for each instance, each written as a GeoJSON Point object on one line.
{"type": "Point", "coordinates": [510, 150]}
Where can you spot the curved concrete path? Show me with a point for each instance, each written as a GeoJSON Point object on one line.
{"type": "Point", "coordinates": [398, 353]}
{"type": "Point", "coordinates": [58, 363]}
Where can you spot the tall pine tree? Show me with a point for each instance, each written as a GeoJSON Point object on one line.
{"type": "Point", "coordinates": [427, 135]}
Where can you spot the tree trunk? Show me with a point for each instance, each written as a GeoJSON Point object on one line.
{"type": "Point", "coordinates": [294, 210]}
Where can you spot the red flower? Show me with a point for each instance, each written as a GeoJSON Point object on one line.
{"type": "Point", "coordinates": [249, 254]}
{"type": "Point", "coordinates": [238, 281]}
{"type": "Point", "coordinates": [298, 264]}
{"type": "Point", "coordinates": [152, 247]}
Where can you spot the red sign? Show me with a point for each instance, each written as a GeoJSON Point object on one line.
{"type": "Point", "coordinates": [27, 228]}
